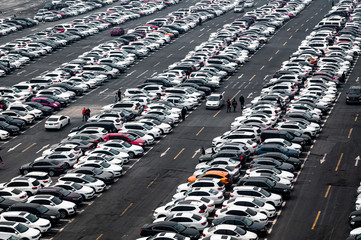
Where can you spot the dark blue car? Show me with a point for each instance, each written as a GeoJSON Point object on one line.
{"type": "Point", "coordinates": [265, 148]}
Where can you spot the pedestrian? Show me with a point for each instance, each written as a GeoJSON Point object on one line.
{"type": "Point", "coordinates": [87, 112]}
{"type": "Point", "coordinates": [203, 151]}
{"type": "Point", "coordinates": [14, 15]}
{"type": "Point", "coordinates": [332, 3]}
{"type": "Point", "coordinates": [200, 21]}
{"type": "Point", "coordinates": [9, 66]}
{"type": "Point", "coordinates": [343, 77]}
{"type": "Point", "coordinates": [116, 98]}
{"type": "Point", "coordinates": [241, 101]}
{"type": "Point", "coordinates": [83, 112]}
{"type": "Point", "coordinates": [228, 105]}
{"type": "Point", "coordinates": [183, 113]}
{"type": "Point", "coordinates": [234, 104]}
{"type": "Point", "coordinates": [119, 93]}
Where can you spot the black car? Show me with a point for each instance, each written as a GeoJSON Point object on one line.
{"type": "Point", "coordinates": [37, 209]}
{"type": "Point", "coordinates": [203, 83]}
{"type": "Point", "coordinates": [5, 203]}
{"type": "Point", "coordinates": [15, 122]}
{"type": "Point", "coordinates": [282, 158]}
{"type": "Point", "coordinates": [77, 90]}
{"type": "Point", "coordinates": [160, 81]}
{"type": "Point", "coordinates": [266, 184]}
{"type": "Point", "coordinates": [12, 130]}
{"type": "Point", "coordinates": [272, 162]}
{"type": "Point", "coordinates": [242, 222]}
{"type": "Point", "coordinates": [204, 89]}
{"type": "Point", "coordinates": [106, 177]}
{"type": "Point", "coordinates": [296, 134]}
{"type": "Point", "coordinates": [62, 194]}
{"type": "Point", "coordinates": [354, 214]}
{"type": "Point", "coordinates": [47, 111]}
{"type": "Point", "coordinates": [52, 167]}
{"type": "Point", "coordinates": [355, 222]}
{"type": "Point", "coordinates": [168, 226]}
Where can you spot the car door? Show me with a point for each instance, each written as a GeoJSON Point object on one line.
{"type": "Point", "coordinates": [41, 166]}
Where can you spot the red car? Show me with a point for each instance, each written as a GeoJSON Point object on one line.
{"type": "Point", "coordinates": [116, 31]}
{"type": "Point", "coordinates": [125, 137]}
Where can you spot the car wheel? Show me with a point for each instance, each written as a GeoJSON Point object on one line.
{"type": "Point", "coordinates": [67, 165]}
{"type": "Point", "coordinates": [68, 121]}
{"type": "Point", "coordinates": [25, 172]}
{"type": "Point", "coordinates": [63, 213]}
{"type": "Point", "coordinates": [29, 193]}
{"type": "Point", "coordinates": [51, 173]}
{"type": "Point", "coordinates": [131, 155]}
{"type": "Point", "coordinates": [109, 76]}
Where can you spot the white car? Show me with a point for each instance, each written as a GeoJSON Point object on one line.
{"type": "Point", "coordinates": [20, 230]}
{"type": "Point", "coordinates": [110, 152]}
{"type": "Point", "coordinates": [86, 192]}
{"type": "Point", "coordinates": [216, 196]}
{"type": "Point", "coordinates": [122, 146]}
{"type": "Point", "coordinates": [152, 131]}
{"type": "Point", "coordinates": [271, 170]}
{"type": "Point", "coordinates": [103, 165]}
{"type": "Point", "coordinates": [103, 157]}
{"type": "Point", "coordinates": [231, 230]}
{"type": "Point", "coordinates": [97, 131]}
{"type": "Point", "coordinates": [42, 177]}
{"type": "Point", "coordinates": [257, 205]}
{"type": "Point", "coordinates": [210, 183]}
{"type": "Point", "coordinates": [4, 135]}
{"type": "Point", "coordinates": [164, 127]}
{"type": "Point", "coordinates": [96, 184]}
{"type": "Point", "coordinates": [258, 193]}
{"type": "Point", "coordinates": [28, 219]}
{"type": "Point", "coordinates": [57, 122]}
{"type": "Point", "coordinates": [165, 235]}
{"type": "Point", "coordinates": [14, 194]}
{"type": "Point", "coordinates": [188, 219]}
{"type": "Point", "coordinates": [66, 157]}
{"type": "Point", "coordinates": [215, 101]}
{"type": "Point", "coordinates": [284, 143]}
{"type": "Point", "coordinates": [65, 208]}
{"type": "Point", "coordinates": [28, 185]}
{"type": "Point", "coordinates": [242, 211]}
{"type": "Point", "coordinates": [166, 211]}
{"type": "Point", "coordinates": [194, 200]}
{"type": "Point", "coordinates": [70, 148]}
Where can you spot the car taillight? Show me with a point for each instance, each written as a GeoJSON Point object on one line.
{"type": "Point", "coordinates": [45, 181]}
{"type": "Point", "coordinates": [89, 147]}
{"type": "Point", "coordinates": [201, 211]}
{"type": "Point", "coordinates": [204, 223]}
{"type": "Point", "coordinates": [34, 187]}
{"type": "Point", "coordinates": [21, 196]}
{"type": "Point", "coordinates": [220, 197]}
{"type": "Point", "coordinates": [251, 165]}
{"type": "Point", "coordinates": [60, 167]}
{"type": "Point", "coordinates": [216, 215]}
{"type": "Point", "coordinates": [255, 152]}
{"type": "Point", "coordinates": [248, 173]}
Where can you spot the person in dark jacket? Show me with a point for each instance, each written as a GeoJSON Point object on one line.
{"type": "Point", "coordinates": [87, 113]}
{"type": "Point", "coordinates": [203, 151]}
{"type": "Point", "coordinates": [241, 101]}
{"type": "Point", "coordinates": [183, 114]}
{"type": "Point", "coordinates": [119, 93]}
{"type": "Point", "coordinates": [234, 104]}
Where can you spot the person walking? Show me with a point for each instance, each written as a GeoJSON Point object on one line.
{"type": "Point", "coordinates": [241, 101]}
{"type": "Point", "coordinates": [183, 114]}
{"type": "Point", "coordinates": [234, 104]}
{"type": "Point", "coordinates": [87, 113]}
{"type": "Point", "coordinates": [119, 93]}
{"type": "Point", "coordinates": [228, 105]}
{"type": "Point", "coordinates": [203, 152]}
{"type": "Point", "coordinates": [332, 4]}
{"type": "Point", "coordinates": [83, 112]}
{"type": "Point", "coordinates": [116, 98]}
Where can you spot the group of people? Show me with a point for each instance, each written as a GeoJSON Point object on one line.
{"type": "Point", "coordinates": [234, 104]}
{"type": "Point", "coordinates": [86, 114]}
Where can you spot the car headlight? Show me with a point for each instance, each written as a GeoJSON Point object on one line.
{"type": "Point", "coordinates": [52, 217]}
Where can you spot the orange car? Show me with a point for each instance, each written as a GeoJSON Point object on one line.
{"type": "Point", "coordinates": [225, 177]}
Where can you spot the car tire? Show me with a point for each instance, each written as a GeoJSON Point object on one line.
{"type": "Point", "coordinates": [25, 172]}
{"type": "Point", "coordinates": [61, 126]}
{"type": "Point", "coordinates": [51, 173]}
{"type": "Point", "coordinates": [63, 213]}
{"type": "Point", "coordinates": [29, 193]}
{"type": "Point", "coordinates": [131, 155]}
{"type": "Point", "coordinates": [68, 121]}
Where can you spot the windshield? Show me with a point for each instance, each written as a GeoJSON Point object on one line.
{"type": "Point", "coordinates": [105, 164]}
{"type": "Point", "coordinates": [264, 192]}
{"type": "Point", "coordinates": [213, 98]}
{"type": "Point", "coordinates": [251, 212]}
{"type": "Point", "coordinates": [258, 202]}
{"type": "Point", "coordinates": [32, 218]}
{"type": "Point", "coordinates": [97, 171]}
{"type": "Point", "coordinates": [42, 209]}
{"type": "Point", "coordinates": [21, 228]}
{"type": "Point", "coordinates": [132, 138]}
{"type": "Point", "coordinates": [64, 192]}
{"type": "Point", "coordinates": [56, 200]}
{"type": "Point", "coordinates": [77, 186]}
{"type": "Point", "coordinates": [179, 227]}
{"type": "Point", "coordinates": [88, 178]}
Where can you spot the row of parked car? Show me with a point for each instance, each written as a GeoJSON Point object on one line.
{"type": "Point", "coordinates": [272, 132]}
{"type": "Point", "coordinates": [16, 54]}
{"type": "Point", "coordinates": [13, 24]}
{"type": "Point", "coordinates": [90, 158]}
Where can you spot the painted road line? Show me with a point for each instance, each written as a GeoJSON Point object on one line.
{"type": "Point", "coordinates": [28, 147]}
{"type": "Point", "coordinates": [170, 55]}
{"type": "Point", "coordinates": [215, 115]}
{"type": "Point", "coordinates": [155, 179]}
{"type": "Point", "coordinates": [179, 153]}
{"type": "Point", "coordinates": [270, 59]}
{"type": "Point", "coordinates": [41, 149]}
{"type": "Point", "coordinates": [70, 54]}
{"type": "Point", "coordinates": [13, 148]}
{"type": "Point", "coordinates": [338, 163]}
{"type": "Point", "coordinates": [191, 41]}
{"type": "Point", "coordinates": [328, 190]}
{"type": "Point", "coordinates": [31, 72]}
{"type": "Point", "coordinates": [316, 219]}
{"type": "Point", "coordinates": [101, 235]}
{"type": "Point", "coordinates": [290, 37]}
{"type": "Point", "coordinates": [252, 77]}
{"type": "Point", "coordinates": [181, 48]}
{"type": "Point", "coordinates": [199, 131]}
{"type": "Point", "coordinates": [164, 153]}
{"type": "Point", "coordinates": [284, 44]}
{"type": "Point", "coordinates": [261, 67]}
{"type": "Point", "coordinates": [142, 73]}
{"type": "Point", "coordinates": [277, 52]}
{"type": "Point", "coordinates": [201, 35]}
{"type": "Point", "coordinates": [156, 64]}
{"type": "Point", "coordinates": [349, 134]}
{"type": "Point", "coordinates": [356, 117]}
{"type": "Point", "coordinates": [125, 210]}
